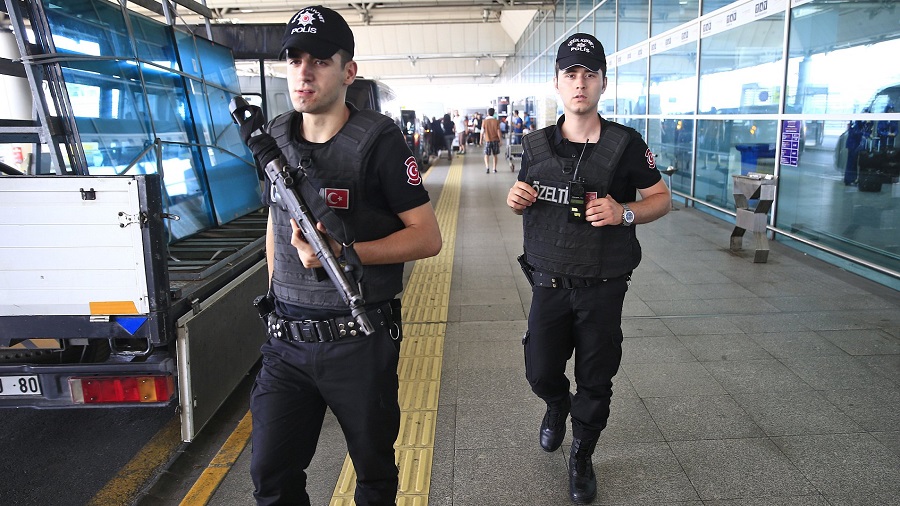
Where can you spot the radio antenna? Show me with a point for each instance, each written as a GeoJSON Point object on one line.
{"type": "Point", "coordinates": [578, 163]}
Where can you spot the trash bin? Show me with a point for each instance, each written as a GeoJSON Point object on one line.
{"type": "Point", "coordinates": [751, 154]}
{"type": "Point", "coordinates": [753, 197]}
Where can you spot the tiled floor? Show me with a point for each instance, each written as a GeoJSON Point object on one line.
{"type": "Point", "coordinates": [741, 383]}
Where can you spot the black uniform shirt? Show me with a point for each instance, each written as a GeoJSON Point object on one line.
{"type": "Point", "coordinates": [636, 168]}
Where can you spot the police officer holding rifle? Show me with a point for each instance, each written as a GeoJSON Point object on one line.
{"type": "Point", "coordinates": [352, 171]}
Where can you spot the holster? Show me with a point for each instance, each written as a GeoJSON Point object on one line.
{"type": "Point", "coordinates": [526, 268]}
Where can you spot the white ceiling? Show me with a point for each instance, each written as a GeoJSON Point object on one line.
{"type": "Point", "coordinates": [443, 42]}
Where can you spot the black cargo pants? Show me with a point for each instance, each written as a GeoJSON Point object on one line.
{"type": "Point", "coordinates": [357, 378]}
{"type": "Point", "coordinates": [588, 322]}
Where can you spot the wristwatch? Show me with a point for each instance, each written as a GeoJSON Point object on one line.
{"type": "Point", "coordinates": [627, 216]}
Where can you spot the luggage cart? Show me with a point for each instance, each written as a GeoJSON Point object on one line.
{"type": "Point", "coordinates": [513, 151]}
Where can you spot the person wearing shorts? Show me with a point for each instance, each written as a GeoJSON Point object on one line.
{"type": "Point", "coordinates": [490, 131]}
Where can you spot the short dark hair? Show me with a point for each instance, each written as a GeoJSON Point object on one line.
{"type": "Point", "coordinates": [490, 111]}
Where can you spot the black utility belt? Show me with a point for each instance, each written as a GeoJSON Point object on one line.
{"type": "Point", "coordinates": [547, 280]}
{"type": "Point", "coordinates": [326, 331]}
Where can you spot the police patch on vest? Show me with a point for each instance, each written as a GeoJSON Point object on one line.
{"type": "Point", "coordinates": [336, 198]}
{"type": "Point", "coordinates": [552, 192]}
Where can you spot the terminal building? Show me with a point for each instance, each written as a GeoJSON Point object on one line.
{"type": "Point", "coordinates": [749, 373]}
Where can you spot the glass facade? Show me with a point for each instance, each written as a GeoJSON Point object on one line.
{"type": "Point", "coordinates": [147, 98]}
{"type": "Point", "coordinates": [805, 90]}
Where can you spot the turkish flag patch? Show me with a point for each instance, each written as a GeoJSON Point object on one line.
{"type": "Point", "coordinates": [337, 198]}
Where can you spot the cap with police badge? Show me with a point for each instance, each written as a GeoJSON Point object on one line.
{"type": "Point", "coordinates": [581, 49]}
{"type": "Point", "coordinates": [318, 31]}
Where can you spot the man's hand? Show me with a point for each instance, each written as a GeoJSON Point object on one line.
{"type": "Point", "coordinates": [521, 195]}
{"type": "Point", "coordinates": [604, 211]}
{"type": "Point", "coordinates": [306, 252]}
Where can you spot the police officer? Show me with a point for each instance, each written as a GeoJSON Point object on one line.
{"type": "Point", "coordinates": [576, 191]}
{"type": "Point", "coordinates": [360, 163]}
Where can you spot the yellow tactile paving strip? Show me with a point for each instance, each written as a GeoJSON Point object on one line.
{"type": "Point", "coordinates": [425, 303]}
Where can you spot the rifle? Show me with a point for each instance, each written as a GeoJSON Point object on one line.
{"type": "Point", "coordinates": [250, 121]}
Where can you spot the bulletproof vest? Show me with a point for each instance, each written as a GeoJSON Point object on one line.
{"type": "Point", "coordinates": [552, 242]}
{"type": "Point", "coordinates": [337, 170]}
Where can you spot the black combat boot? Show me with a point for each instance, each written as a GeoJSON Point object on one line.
{"type": "Point", "coordinates": [553, 426]}
{"type": "Point", "coordinates": [582, 482]}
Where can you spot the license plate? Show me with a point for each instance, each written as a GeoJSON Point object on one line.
{"type": "Point", "coordinates": [19, 385]}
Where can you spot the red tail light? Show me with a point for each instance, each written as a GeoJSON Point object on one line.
{"type": "Point", "coordinates": [108, 389]}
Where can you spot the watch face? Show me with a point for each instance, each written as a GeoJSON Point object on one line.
{"type": "Point", "coordinates": [629, 216]}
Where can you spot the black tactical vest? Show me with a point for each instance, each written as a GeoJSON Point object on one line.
{"type": "Point", "coordinates": [337, 170]}
{"type": "Point", "coordinates": [552, 243]}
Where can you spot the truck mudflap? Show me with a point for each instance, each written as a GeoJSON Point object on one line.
{"type": "Point", "coordinates": [50, 386]}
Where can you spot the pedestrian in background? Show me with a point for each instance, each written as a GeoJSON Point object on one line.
{"type": "Point", "coordinates": [490, 131]}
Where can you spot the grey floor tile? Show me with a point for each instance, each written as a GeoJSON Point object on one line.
{"type": "Point", "coordinates": [485, 331]}
{"type": "Point", "coordinates": [796, 500]}
{"type": "Point", "coordinates": [739, 468]}
{"type": "Point", "coordinates": [492, 312]}
{"type": "Point", "coordinates": [796, 413]}
{"type": "Point", "coordinates": [692, 326]}
{"type": "Point", "coordinates": [490, 355]}
{"type": "Point", "coordinates": [490, 385]}
{"type": "Point", "coordinates": [485, 296]}
{"type": "Point", "coordinates": [642, 350]}
{"type": "Point", "coordinates": [755, 376]}
{"type": "Point", "coordinates": [885, 365]}
{"type": "Point", "coordinates": [837, 320]}
{"type": "Point", "coordinates": [629, 422]}
{"type": "Point", "coordinates": [844, 464]}
{"type": "Point", "coordinates": [875, 409]}
{"type": "Point", "coordinates": [701, 417]}
{"type": "Point", "coordinates": [836, 372]}
{"type": "Point", "coordinates": [661, 292]}
{"type": "Point", "coordinates": [640, 473]}
{"type": "Point", "coordinates": [644, 327]}
{"type": "Point", "coordinates": [698, 307]}
{"type": "Point", "coordinates": [770, 322]}
{"type": "Point", "coordinates": [510, 476]}
{"type": "Point", "coordinates": [498, 424]}
{"type": "Point", "coordinates": [714, 348]}
{"type": "Point", "coordinates": [891, 440]}
{"type": "Point", "coordinates": [795, 344]}
{"type": "Point", "coordinates": [863, 341]}
{"type": "Point", "coordinates": [668, 380]}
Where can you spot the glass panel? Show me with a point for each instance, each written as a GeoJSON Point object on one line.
{"type": "Point", "coordinates": [843, 192]}
{"type": "Point", "coordinates": [711, 5]}
{"type": "Point", "coordinates": [741, 69]}
{"type": "Point", "coordinates": [89, 27]}
{"type": "Point", "coordinates": [633, 18]}
{"type": "Point", "coordinates": [218, 64]}
{"type": "Point", "coordinates": [154, 42]}
{"type": "Point", "coordinates": [667, 14]}
{"type": "Point", "coordinates": [187, 53]}
{"type": "Point", "coordinates": [108, 102]}
{"type": "Point", "coordinates": [233, 182]}
{"type": "Point", "coordinates": [631, 88]}
{"type": "Point", "coordinates": [672, 141]}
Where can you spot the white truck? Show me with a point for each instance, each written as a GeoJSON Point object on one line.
{"type": "Point", "coordinates": [98, 310]}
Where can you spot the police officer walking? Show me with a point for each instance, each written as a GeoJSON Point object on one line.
{"type": "Point", "coordinates": [576, 191]}
{"type": "Point", "coordinates": [364, 171]}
